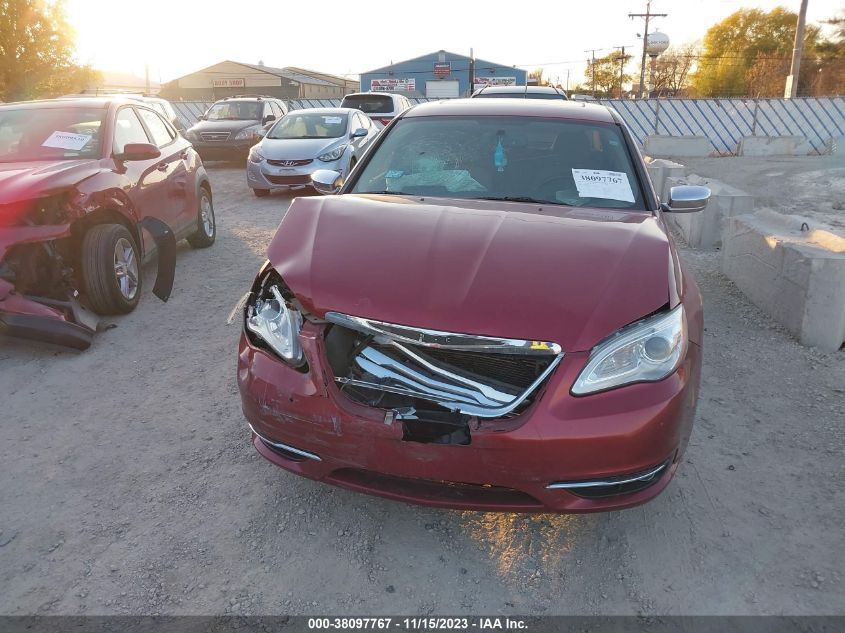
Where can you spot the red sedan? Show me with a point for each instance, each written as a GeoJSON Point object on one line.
{"type": "Point", "coordinates": [90, 188]}
{"type": "Point", "coordinates": [490, 315]}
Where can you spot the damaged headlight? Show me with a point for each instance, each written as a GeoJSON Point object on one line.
{"type": "Point", "coordinates": [277, 325]}
{"type": "Point", "coordinates": [645, 351]}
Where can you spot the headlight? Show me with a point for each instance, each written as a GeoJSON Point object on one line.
{"type": "Point", "coordinates": [645, 351]}
{"type": "Point", "coordinates": [277, 325]}
{"type": "Point", "coordinates": [255, 155]}
{"type": "Point", "coordinates": [336, 153]}
{"type": "Point", "coordinates": [245, 133]}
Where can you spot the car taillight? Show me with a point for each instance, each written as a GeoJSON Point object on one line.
{"type": "Point", "coordinates": [384, 120]}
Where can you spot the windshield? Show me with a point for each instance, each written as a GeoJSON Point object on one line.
{"type": "Point", "coordinates": [370, 104]}
{"type": "Point", "coordinates": [309, 125]}
{"type": "Point", "coordinates": [30, 134]}
{"type": "Point", "coordinates": [235, 111]}
{"type": "Point", "coordinates": [524, 159]}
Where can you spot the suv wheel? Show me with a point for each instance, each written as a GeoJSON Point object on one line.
{"type": "Point", "coordinates": [111, 269]}
{"type": "Point", "coordinates": [206, 231]}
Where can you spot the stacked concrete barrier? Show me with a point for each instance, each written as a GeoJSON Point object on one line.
{"type": "Point", "coordinates": [773, 146]}
{"type": "Point", "coordinates": [793, 268]}
{"type": "Point", "coordinates": [703, 229]}
{"type": "Point", "coordinates": [663, 146]}
{"type": "Point", "coordinates": [659, 169]}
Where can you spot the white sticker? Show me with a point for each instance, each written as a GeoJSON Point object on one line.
{"type": "Point", "coordinates": [598, 183]}
{"type": "Point", "coordinates": [333, 119]}
{"type": "Point", "coordinates": [67, 140]}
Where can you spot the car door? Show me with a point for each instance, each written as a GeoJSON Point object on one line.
{"type": "Point", "coordinates": [140, 175]}
{"type": "Point", "coordinates": [172, 181]}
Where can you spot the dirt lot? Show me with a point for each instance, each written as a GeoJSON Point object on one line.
{"type": "Point", "coordinates": [128, 483]}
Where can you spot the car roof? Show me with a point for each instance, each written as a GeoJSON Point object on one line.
{"type": "Point", "coordinates": [522, 89]}
{"type": "Point", "coordinates": [514, 107]}
{"type": "Point", "coordinates": [374, 93]}
{"type": "Point", "coordinates": [325, 110]}
{"type": "Point", "coordinates": [72, 102]}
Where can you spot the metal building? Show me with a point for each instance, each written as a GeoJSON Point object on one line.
{"type": "Point", "coordinates": [440, 75]}
{"type": "Point", "coordinates": [229, 78]}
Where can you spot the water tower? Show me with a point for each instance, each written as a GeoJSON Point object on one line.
{"type": "Point", "coordinates": [656, 43]}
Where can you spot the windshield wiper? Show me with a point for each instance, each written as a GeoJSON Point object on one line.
{"type": "Point", "coordinates": [395, 193]}
{"type": "Point", "coordinates": [526, 199]}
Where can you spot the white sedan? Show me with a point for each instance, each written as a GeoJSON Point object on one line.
{"type": "Point", "coordinates": [304, 141]}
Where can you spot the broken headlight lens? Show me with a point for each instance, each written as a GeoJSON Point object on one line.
{"type": "Point", "coordinates": [645, 351]}
{"type": "Point", "coordinates": [277, 325]}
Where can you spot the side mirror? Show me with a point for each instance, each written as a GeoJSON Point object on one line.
{"type": "Point", "coordinates": [327, 181]}
{"type": "Point", "coordinates": [138, 151]}
{"type": "Point", "coordinates": [202, 117]}
{"type": "Point", "coordinates": [269, 118]}
{"type": "Point", "coordinates": [686, 199]}
{"type": "Point", "coordinates": [361, 131]}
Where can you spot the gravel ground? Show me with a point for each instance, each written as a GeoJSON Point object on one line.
{"type": "Point", "coordinates": [128, 484]}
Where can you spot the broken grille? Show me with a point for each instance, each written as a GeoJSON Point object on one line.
{"type": "Point", "coordinates": [474, 375]}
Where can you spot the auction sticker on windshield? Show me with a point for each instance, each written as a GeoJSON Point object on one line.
{"type": "Point", "coordinates": [66, 140]}
{"type": "Point", "coordinates": [598, 183]}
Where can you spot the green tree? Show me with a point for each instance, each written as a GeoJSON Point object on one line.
{"type": "Point", "coordinates": [36, 51]}
{"type": "Point", "coordinates": [607, 79]}
{"type": "Point", "coordinates": [744, 40]}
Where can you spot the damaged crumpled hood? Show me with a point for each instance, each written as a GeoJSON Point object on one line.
{"type": "Point", "coordinates": [25, 181]}
{"type": "Point", "coordinates": [484, 268]}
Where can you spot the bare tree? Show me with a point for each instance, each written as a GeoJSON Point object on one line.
{"type": "Point", "coordinates": [671, 71]}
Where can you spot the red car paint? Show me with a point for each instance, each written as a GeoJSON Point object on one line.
{"type": "Point", "coordinates": [469, 267]}
{"type": "Point", "coordinates": [93, 190]}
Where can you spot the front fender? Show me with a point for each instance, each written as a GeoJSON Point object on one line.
{"type": "Point", "coordinates": [165, 242]}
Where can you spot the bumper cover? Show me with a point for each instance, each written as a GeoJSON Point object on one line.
{"type": "Point", "coordinates": [508, 465]}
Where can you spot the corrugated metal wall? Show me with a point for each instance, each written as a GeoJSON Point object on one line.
{"type": "Point", "coordinates": [723, 121]}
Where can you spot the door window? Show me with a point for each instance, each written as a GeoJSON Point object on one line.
{"type": "Point", "coordinates": [127, 129]}
{"type": "Point", "coordinates": [161, 134]}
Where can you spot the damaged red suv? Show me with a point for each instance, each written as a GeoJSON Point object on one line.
{"type": "Point", "coordinates": [490, 315]}
{"type": "Point", "coordinates": [89, 189]}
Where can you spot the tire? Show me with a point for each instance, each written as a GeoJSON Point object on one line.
{"type": "Point", "coordinates": [206, 231]}
{"type": "Point", "coordinates": [261, 193]}
{"type": "Point", "coordinates": [111, 269]}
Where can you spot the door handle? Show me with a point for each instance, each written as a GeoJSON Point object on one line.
{"type": "Point", "coordinates": [162, 166]}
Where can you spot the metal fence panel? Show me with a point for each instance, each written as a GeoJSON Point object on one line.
{"type": "Point", "coordinates": [723, 122]}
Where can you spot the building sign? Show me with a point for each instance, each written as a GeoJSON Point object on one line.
{"type": "Point", "coordinates": [393, 85]}
{"type": "Point", "coordinates": [442, 69]}
{"type": "Point", "coordinates": [228, 83]}
{"type": "Point", "coordinates": [481, 82]}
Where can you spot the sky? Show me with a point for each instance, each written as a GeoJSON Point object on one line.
{"type": "Point", "coordinates": [177, 37]}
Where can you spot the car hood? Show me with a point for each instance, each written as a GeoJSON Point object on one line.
{"type": "Point", "coordinates": [24, 181]}
{"type": "Point", "coordinates": [297, 148]}
{"type": "Point", "coordinates": [223, 126]}
{"type": "Point", "coordinates": [570, 276]}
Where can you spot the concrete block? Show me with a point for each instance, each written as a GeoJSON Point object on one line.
{"type": "Point", "coordinates": [796, 276]}
{"type": "Point", "coordinates": [773, 146]}
{"type": "Point", "coordinates": [659, 169]}
{"type": "Point", "coordinates": [661, 146]}
{"type": "Point", "coordinates": [704, 229]}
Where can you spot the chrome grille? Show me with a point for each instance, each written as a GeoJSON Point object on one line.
{"type": "Point", "coordinates": [215, 136]}
{"type": "Point", "coordinates": [474, 375]}
{"type": "Point", "coordinates": [290, 163]}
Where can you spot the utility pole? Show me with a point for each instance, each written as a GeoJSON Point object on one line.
{"type": "Point", "coordinates": [648, 14]}
{"type": "Point", "coordinates": [471, 72]}
{"type": "Point", "coordinates": [791, 88]}
{"type": "Point", "coordinates": [621, 67]}
{"type": "Point", "coordinates": [592, 51]}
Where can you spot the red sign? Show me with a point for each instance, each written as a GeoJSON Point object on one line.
{"type": "Point", "coordinates": [442, 69]}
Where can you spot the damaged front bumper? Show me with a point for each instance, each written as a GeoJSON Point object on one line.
{"type": "Point", "coordinates": [552, 452]}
